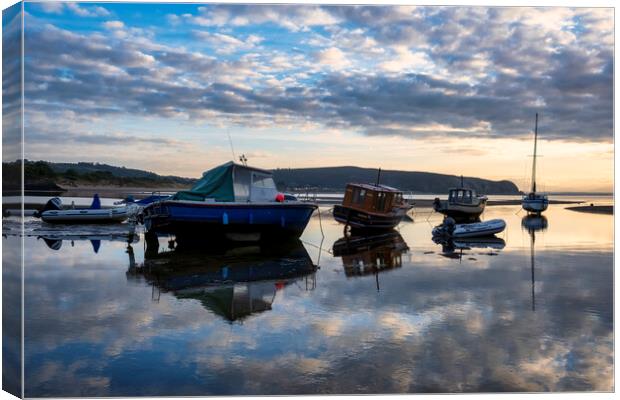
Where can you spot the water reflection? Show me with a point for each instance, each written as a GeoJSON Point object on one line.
{"type": "Point", "coordinates": [533, 224]}
{"type": "Point", "coordinates": [233, 282]}
{"type": "Point", "coordinates": [219, 327]}
{"type": "Point", "coordinates": [457, 248]}
{"type": "Point", "coordinates": [365, 255]}
{"type": "Point", "coordinates": [55, 241]}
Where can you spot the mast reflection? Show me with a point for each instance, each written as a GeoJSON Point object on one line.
{"type": "Point", "coordinates": [532, 224]}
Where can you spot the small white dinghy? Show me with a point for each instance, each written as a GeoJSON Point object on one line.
{"type": "Point", "coordinates": [486, 228]}
{"type": "Point", "coordinates": [478, 229]}
{"type": "Point", "coordinates": [54, 213]}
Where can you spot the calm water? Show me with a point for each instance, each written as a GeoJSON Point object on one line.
{"type": "Point", "coordinates": [530, 311]}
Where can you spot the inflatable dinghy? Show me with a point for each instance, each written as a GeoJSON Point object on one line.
{"type": "Point", "coordinates": [478, 229]}
{"type": "Point", "coordinates": [54, 213]}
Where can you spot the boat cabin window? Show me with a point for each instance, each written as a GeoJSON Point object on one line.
{"type": "Point", "coordinates": [359, 195]}
{"type": "Point", "coordinates": [264, 181]}
{"type": "Point", "coordinates": [460, 196]}
{"type": "Point", "coordinates": [263, 187]}
{"type": "Point", "coordinates": [241, 184]}
{"type": "Point", "coordinates": [381, 201]}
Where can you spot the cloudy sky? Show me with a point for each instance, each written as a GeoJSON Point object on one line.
{"type": "Point", "coordinates": [442, 89]}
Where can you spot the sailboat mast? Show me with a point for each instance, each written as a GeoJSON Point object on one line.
{"type": "Point", "coordinates": [534, 162]}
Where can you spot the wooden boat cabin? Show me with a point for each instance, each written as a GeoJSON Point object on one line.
{"type": "Point", "coordinates": [371, 198]}
{"type": "Point", "coordinates": [368, 206]}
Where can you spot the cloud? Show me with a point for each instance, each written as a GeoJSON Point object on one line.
{"type": "Point", "coordinates": [334, 58]}
{"type": "Point", "coordinates": [291, 17]}
{"type": "Point", "coordinates": [114, 24]}
{"type": "Point", "coordinates": [408, 71]}
{"type": "Point", "coordinates": [227, 44]}
{"type": "Point", "coordinates": [57, 7]}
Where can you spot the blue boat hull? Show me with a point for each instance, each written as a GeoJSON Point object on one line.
{"type": "Point", "coordinates": [205, 220]}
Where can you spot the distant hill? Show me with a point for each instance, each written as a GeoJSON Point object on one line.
{"type": "Point", "coordinates": [85, 168]}
{"type": "Point", "coordinates": [335, 179]}
{"type": "Point", "coordinates": [49, 176]}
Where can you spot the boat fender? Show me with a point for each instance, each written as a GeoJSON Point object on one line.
{"type": "Point", "coordinates": [96, 204]}
{"type": "Point", "coordinates": [225, 219]}
{"type": "Point", "coordinates": [280, 198]}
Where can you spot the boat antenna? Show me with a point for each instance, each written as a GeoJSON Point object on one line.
{"type": "Point", "coordinates": [462, 181]}
{"type": "Point", "coordinates": [232, 149]}
{"type": "Point", "coordinates": [244, 160]}
{"type": "Point", "coordinates": [534, 162]}
{"type": "Point", "coordinates": [378, 177]}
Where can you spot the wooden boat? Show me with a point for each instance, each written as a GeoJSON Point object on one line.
{"type": "Point", "coordinates": [534, 202]}
{"type": "Point", "coordinates": [371, 207]}
{"type": "Point", "coordinates": [53, 212]}
{"type": "Point", "coordinates": [463, 204]}
{"type": "Point", "coordinates": [231, 201]}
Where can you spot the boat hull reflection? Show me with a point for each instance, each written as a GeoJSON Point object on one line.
{"type": "Point", "coordinates": [365, 255]}
{"type": "Point", "coordinates": [232, 282]}
{"type": "Point", "coordinates": [533, 223]}
{"type": "Point", "coordinates": [455, 248]}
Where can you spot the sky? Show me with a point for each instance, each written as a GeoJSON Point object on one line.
{"type": "Point", "coordinates": [169, 87]}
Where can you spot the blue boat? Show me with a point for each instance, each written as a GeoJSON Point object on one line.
{"type": "Point", "coordinates": [231, 201]}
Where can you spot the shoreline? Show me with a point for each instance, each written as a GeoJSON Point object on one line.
{"type": "Point", "coordinates": [593, 209]}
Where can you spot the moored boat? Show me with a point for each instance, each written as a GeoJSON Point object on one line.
{"type": "Point", "coordinates": [533, 202]}
{"type": "Point", "coordinates": [463, 204]}
{"type": "Point", "coordinates": [371, 207]}
{"type": "Point", "coordinates": [53, 212]}
{"type": "Point", "coordinates": [231, 201]}
{"type": "Point", "coordinates": [479, 229]}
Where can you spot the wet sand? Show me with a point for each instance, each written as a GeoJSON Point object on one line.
{"type": "Point", "coordinates": [593, 209]}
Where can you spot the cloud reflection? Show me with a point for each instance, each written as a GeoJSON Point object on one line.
{"type": "Point", "coordinates": [93, 330]}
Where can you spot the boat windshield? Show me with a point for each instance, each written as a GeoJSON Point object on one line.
{"type": "Point", "coordinates": [460, 196]}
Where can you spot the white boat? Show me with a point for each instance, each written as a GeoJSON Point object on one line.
{"type": "Point", "coordinates": [54, 213]}
{"type": "Point", "coordinates": [535, 202]}
{"type": "Point", "coordinates": [478, 229]}
{"type": "Point", "coordinates": [463, 204]}
{"type": "Point", "coordinates": [486, 228]}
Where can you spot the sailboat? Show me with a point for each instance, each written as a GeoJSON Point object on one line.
{"type": "Point", "coordinates": [535, 202]}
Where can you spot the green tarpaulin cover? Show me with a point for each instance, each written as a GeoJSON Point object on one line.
{"type": "Point", "coordinates": [216, 183]}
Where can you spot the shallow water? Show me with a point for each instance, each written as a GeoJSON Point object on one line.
{"type": "Point", "coordinates": [400, 314]}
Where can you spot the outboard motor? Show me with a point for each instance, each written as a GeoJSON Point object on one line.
{"type": "Point", "coordinates": [53, 204]}
{"type": "Point", "coordinates": [449, 225]}
{"type": "Point", "coordinates": [436, 203]}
